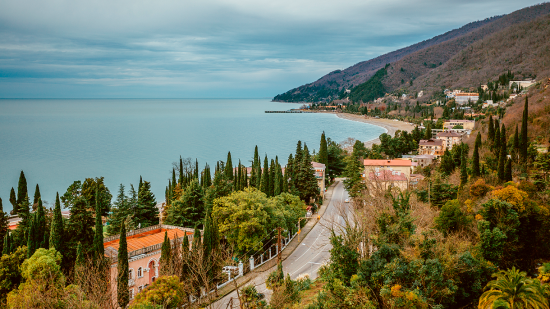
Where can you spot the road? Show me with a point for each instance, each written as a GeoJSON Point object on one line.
{"type": "Point", "coordinates": [313, 251]}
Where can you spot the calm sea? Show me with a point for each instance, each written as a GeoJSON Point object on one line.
{"type": "Point", "coordinates": [56, 142]}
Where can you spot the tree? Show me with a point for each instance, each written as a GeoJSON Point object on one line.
{"type": "Point", "coordinates": [451, 218]}
{"type": "Point", "coordinates": [36, 195]}
{"type": "Point", "coordinates": [463, 169]}
{"type": "Point", "coordinates": [524, 142]}
{"type": "Point", "coordinates": [22, 193]}
{"type": "Point", "coordinates": [307, 184]}
{"type": "Point", "coordinates": [491, 129]}
{"type": "Point", "coordinates": [94, 188]}
{"type": "Point", "coordinates": [323, 151]}
{"type": "Point", "coordinates": [428, 134]}
{"type": "Point", "coordinates": [10, 271]}
{"type": "Point", "coordinates": [228, 167]}
{"type": "Point", "coordinates": [476, 172]}
{"type": "Point", "coordinates": [81, 223]}
{"type": "Point", "coordinates": [515, 145]}
{"type": "Point", "coordinates": [3, 225]}
{"type": "Point", "coordinates": [146, 212]}
{"type": "Point", "coordinates": [123, 295]}
{"type": "Point", "coordinates": [513, 289]}
{"type": "Point", "coordinates": [189, 209]}
{"type": "Point", "coordinates": [13, 201]}
{"type": "Point", "coordinates": [353, 182]}
{"type": "Point", "coordinates": [121, 212]}
{"type": "Point", "coordinates": [166, 292]}
{"type": "Point", "coordinates": [336, 163]}
{"type": "Point", "coordinates": [264, 185]}
{"type": "Point", "coordinates": [99, 250]}
{"type": "Point", "coordinates": [502, 154]}
{"type": "Point", "coordinates": [478, 140]}
{"type": "Point", "coordinates": [57, 229]}
{"type": "Point", "coordinates": [165, 255]}
{"type": "Point", "coordinates": [447, 164]}
{"type": "Point", "coordinates": [508, 170]}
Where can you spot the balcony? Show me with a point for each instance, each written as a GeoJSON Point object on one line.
{"type": "Point", "coordinates": [131, 282]}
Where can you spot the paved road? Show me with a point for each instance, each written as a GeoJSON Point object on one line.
{"type": "Point", "coordinates": [310, 254]}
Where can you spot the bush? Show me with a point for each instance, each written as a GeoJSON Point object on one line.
{"type": "Point", "coordinates": [479, 188]}
{"type": "Point", "coordinates": [166, 291]}
{"type": "Point", "coordinates": [451, 218]}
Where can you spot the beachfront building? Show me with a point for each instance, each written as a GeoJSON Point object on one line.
{"type": "Point", "coordinates": [383, 174]}
{"type": "Point", "coordinates": [320, 175]}
{"type": "Point", "coordinates": [424, 160]}
{"type": "Point", "coordinates": [450, 138]}
{"type": "Point", "coordinates": [465, 97]}
{"type": "Point", "coordinates": [466, 124]}
{"type": "Point", "coordinates": [144, 248]}
{"type": "Point", "coordinates": [434, 147]}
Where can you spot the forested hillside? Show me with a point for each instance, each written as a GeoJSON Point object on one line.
{"type": "Point", "coordinates": [423, 66]}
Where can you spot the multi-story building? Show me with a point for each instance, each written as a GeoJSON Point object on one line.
{"type": "Point", "coordinates": [465, 97]}
{"type": "Point", "coordinates": [466, 124]}
{"type": "Point", "coordinates": [320, 175]}
{"type": "Point", "coordinates": [144, 249]}
{"type": "Point", "coordinates": [434, 147]}
{"type": "Point", "coordinates": [450, 138]}
{"type": "Point", "coordinates": [381, 174]}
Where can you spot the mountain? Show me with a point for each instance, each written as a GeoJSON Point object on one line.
{"type": "Point", "coordinates": [412, 63]}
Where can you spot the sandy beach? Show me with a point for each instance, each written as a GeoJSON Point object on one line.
{"type": "Point", "coordinates": [390, 125]}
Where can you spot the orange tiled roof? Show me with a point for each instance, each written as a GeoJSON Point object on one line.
{"type": "Point", "coordinates": [146, 239]}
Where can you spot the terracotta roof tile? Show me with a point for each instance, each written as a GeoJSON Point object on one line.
{"type": "Point", "coordinates": [145, 239]}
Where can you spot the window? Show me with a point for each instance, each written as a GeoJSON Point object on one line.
{"type": "Point", "coordinates": [140, 288]}
{"type": "Point", "coordinates": [130, 274]}
{"type": "Point", "coordinates": [131, 293]}
{"type": "Point", "coordinates": [140, 272]}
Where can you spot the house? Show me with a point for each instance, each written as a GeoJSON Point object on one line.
{"type": "Point", "coordinates": [424, 160]}
{"type": "Point", "coordinates": [320, 175]}
{"type": "Point", "coordinates": [465, 97]}
{"type": "Point", "coordinates": [521, 83]}
{"type": "Point", "coordinates": [434, 147]}
{"type": "Point", "coordinates": [144, 249]}
{"type": "Point", "coordinates": [382, 174]}
{"type": "Point", "coordinates": [466, 124]}
{"type": "Point", "coordinates": [450, 138]}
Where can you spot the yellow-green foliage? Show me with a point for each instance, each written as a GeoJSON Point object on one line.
{"type": "Point", "coordinates": [166, 291]}
{"type": "Point", "coordinates": [512, 195]}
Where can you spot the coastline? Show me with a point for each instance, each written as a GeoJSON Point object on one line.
{"type": "Point", "coordinates": [391, 126]}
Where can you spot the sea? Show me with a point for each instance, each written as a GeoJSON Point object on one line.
{"type": "Point", "coordinates": [58, 141]}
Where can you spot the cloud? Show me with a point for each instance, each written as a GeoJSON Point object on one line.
{"type": "Point", "coordinates": [210, 48]}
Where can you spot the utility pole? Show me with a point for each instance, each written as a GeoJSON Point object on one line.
{"type": "Point", "coordinates": [279, 243]}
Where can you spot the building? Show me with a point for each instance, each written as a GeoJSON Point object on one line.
{"type": "Point", "coordinates": [434, 147]}
{"type": "Point", "coordinates": [320, 175]}
{"type": "Point", "coordinates": [424, 160]}
{"type": "Point", "coordinates": [382, 174]}
{"type": "Point", "coordinates": [466, 124]}
{"type": "Point", "coordinates": [465, 97]}
{"type": "Point", "coordinates": [450, 138]}
{"type": "Point", "coordinates": [144, 248]}
{"type": "Point", "coordinates": [521, 83]}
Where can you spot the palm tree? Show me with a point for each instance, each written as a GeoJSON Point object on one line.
{"type": "Point", "coordinates": [512, 289]}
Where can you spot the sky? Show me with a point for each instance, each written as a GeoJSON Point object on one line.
{"type": "Point", "coordinates": [207, 48]}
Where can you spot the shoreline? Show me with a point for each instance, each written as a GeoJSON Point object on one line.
{"type": "Point", "coordinates": [389, 125]}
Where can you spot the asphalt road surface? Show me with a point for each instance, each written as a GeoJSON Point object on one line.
{"type": "Point", "coordinates": [312, 252]}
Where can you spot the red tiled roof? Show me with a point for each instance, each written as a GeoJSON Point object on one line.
{"type": "Point", "coordinates": [370, 162]}
{"type": "Point", "coordinates": [146, 239]}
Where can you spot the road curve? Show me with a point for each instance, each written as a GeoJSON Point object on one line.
{"type": "Point", "coordinates": [310, 254]}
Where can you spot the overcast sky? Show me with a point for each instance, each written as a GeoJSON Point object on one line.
{"type": "Point", "coordinates": [207, 48]}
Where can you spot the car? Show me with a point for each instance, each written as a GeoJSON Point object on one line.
{"type": "Point", "coordinates": [347, 200]}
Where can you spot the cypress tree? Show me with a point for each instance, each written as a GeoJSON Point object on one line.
{"type": "Point", "coordinates": [79, 262]}
{"type": "Point", "coordinates": [36, 195]}
{"type": "Point", "coordinates": [229, 167]}
{"type": "Point", "coordinates": [277, 188]}
{"type": "Point", "coordinates": [323, 150]}
{"type": "Point", "coordinates": [264, 186]}
{"type": "Point", "coordinates": [207, 176]}
{"type": "Point", "coordinates": [502, 155]}
{"type": "Point", "coordinates": [258, 179]}
{"type": "Point", "coordinates": [515, 151]}
{"type": "Point", "coordinates": [123, 295]}
{"type": "Point", "coordinates": [463, 170]}
{"type": "Point", "coordinates": [174, 182]}
{"type": "Point", "coordinates": [30, 237]}
{"type": "Point", "coordinates": [98, 237]}
{"type": "Point", "coordinates": [180, 173]}
{"type": "Point", "coordinates": [165, 256]}
{"type": "Point", "coordinates": [6, 246]}
{"type": "Point", "coordinates": [478, 140]}
{"type": "Point", "coordinates": [508, 170]}
{"type": "Point", "coordinates": [475, 161]}
{"type": "Point", "coordinates": [56, 232]}
{"type": "Point", "coordinates": [40, 226]}
{"type": "Point", "coordinates": [185, 256]}
{"type": "Point", "coordinates": [491, 133]}
{"type": "Point", "coordinates": [196, 239]}
{"type": "Point", "coordinates": [3, 223]}
{"type": "Point", "coordinates": [271, 185]}
{"type": "Point", "coordinates": [496, 140]}
{"type": "Point", "coordinates": [524, 143]}
{"type": "Point", "coordinates": [196, 169]}
{"type": "Point", "coordinates": [81, 223]}
{"type": "Point", "coordinates": [140, 183]}
{"type": "Point", "coordinates": [428, 134]}
{"type": "Point", "coordinates": [13, 201]}
{"type": "Point", "coordinates": [22, 193]}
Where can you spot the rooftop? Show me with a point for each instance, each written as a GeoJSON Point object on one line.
{"type": "Point", "coordinates": [448, 134]}
{"type": "Point", "coordinates": [370, 162]}
{"type": "Point", "coordinates": [431, 142]}
{"type": "Point", "coordinates": [317, 165]}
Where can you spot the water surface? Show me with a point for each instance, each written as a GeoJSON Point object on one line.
{"type": "Point", "coordinates": [56, 142]}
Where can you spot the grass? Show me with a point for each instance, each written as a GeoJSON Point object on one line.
{"type": "Point", "coordinates": [307, 297]}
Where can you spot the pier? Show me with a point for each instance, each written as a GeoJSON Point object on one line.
{"type": "Point", "coordinates": [288, 112]}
